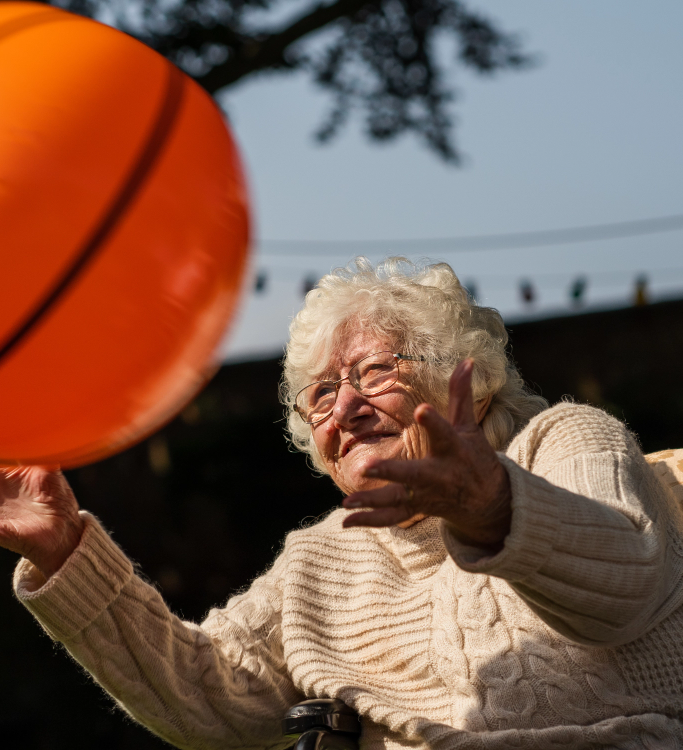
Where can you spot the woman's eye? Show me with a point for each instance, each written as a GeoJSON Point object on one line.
{"type": "Point", "coordinates": [322, 390]}
{"type": "Point", "coordinates": [375, 370]}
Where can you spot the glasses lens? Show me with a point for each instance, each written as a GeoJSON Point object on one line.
{"type": "Point", "coordinates": [374, 374]}
{"type": "Point", "coordinates": [316, 401]}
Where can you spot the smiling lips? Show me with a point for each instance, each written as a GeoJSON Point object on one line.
{"type": "Point", "coordinates": [365, 438]}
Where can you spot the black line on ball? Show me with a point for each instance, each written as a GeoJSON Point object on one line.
{"type": "Point", "coordinates": [131, 186]}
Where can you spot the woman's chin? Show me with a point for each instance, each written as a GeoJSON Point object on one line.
{"type": "Point", "coordinates": [352, 467]}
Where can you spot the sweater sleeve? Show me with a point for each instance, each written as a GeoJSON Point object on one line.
{"type": "Point", "coordinates": [222, 684]}
{"type": "Point", "coordinates": [594, 548]}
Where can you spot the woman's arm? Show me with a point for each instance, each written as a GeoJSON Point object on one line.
{"type": "Point", "coordinates": [572, 517]}
{"type": "Point", "coordinates": [591, 547]}
{"type": "Point", "coordinates": [221, 684]}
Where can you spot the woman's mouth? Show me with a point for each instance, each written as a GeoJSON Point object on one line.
{"type": "Point", "coordinates": [370, 439]}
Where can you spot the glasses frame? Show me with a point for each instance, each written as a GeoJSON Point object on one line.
{"type": "Point", "coordinates": [337, 383]}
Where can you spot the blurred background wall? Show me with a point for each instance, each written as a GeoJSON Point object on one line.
{"type": "Point", "coordinates": [204, 505]}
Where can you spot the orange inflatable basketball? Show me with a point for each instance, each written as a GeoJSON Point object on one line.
{"type": "Point", "coordinates": [123, 237]}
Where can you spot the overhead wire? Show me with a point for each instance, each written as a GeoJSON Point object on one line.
{"type": "Point", "coordinates": [276, 253]}
{"type": "Point", "coordinates": [468, 243]}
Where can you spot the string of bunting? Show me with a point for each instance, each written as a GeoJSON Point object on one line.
{"type": "Point", "coordinates": [576, 286]}
{"type": "Point", "coordinates": [277, 251]}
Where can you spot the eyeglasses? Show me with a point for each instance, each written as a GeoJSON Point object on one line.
{"type": "Point", "coordinates": [370, 376]}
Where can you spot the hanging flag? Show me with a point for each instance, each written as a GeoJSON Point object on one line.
{"type": "Point", "coordinates": [641, 296]}
{"type": "Point", "coordinates": [527, 292]}
{"type": "Point", "coordinates": [577, 290]}
{"type": "Point", "coordinates": [308, 284]}
{"type": "Point", "coordinates": [471, 288]}
{"type": "Point", "coordinates": [261, 282]}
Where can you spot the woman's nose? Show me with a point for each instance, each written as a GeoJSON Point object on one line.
{"type": "Point", "coordinates": [350, 405]}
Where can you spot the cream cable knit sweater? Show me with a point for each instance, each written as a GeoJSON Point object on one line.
{"type": "Point", "coordinates": [570, 637]}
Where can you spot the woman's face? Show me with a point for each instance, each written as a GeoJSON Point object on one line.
{"type": "Point", "coordinates": [363, 428]}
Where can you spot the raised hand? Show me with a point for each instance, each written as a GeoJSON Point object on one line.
{"type": "Point", "coordinates": [460, 480]}
{"type": "Point", "coordinates": [38, 516]}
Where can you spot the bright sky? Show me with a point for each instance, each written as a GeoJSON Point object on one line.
{"type": "Point", "coordinates": [590, 136]}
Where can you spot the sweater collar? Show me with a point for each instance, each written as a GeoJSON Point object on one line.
{"type": "Point", "coordinates": [419, 547]}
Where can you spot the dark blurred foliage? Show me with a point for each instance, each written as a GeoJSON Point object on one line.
{"type": "Point", "coordinates": [383, 57]}
{"type": "Point", "coordinates": [204, 504]}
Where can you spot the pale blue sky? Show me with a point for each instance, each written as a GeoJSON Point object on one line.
{"type": "Point", "coordinates": [592, 135]}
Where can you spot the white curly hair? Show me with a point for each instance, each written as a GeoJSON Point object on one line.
{"type": "Point", "coordinates": [418, 309]}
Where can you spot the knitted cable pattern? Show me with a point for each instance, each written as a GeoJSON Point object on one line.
{"type": "Point", "coordinates": [567, 638]}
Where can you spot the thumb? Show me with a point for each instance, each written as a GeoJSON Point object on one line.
{"type": "Point", "coordinates": [460, 400]}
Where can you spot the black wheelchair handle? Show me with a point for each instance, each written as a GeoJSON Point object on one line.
{"type": "Point", "coordinates": [329, 714]}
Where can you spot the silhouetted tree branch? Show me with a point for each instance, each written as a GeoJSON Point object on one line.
{"type": "Point", "coordinates": [381, 56]}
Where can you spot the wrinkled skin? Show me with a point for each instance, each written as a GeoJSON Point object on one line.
{"type": "Point", "coordinates": [362, 429]}
{"type": "Point", "coordinates": [38, 516]}
{"type": "Point", "coordinates": [374, 448]}
{"type": "Point", "coordinates": [404, 444]}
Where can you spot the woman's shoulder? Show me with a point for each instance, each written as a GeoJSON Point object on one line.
{"type": "Point", "coordinates": [568, 413]}
{"type": "Point", "coordinates": [568, 429]}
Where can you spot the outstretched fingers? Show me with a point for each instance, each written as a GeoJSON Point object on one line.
{"type": "Point", "coordinates": [382, 497]}
{"type": "Point", "coordinates": [460, 400]}
{"type": "Point", "coordinates": [396, 470]}
{"type": "Point", "coordinates": [385, 506]}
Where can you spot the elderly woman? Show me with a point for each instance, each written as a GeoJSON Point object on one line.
{"type": "Point", "coordinates": [501, 574]}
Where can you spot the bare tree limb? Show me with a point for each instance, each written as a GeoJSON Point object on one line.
{"type": "Point", "coordinates": [379, 56]}
{"type": "Point", "coordinates": [268, 52]}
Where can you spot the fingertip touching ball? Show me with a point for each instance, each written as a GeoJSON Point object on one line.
{"type": "Point", "coordinates": [123, 237]}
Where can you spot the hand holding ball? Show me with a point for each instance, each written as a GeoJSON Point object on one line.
{"type": "Point", "coordinates": [123, 237]}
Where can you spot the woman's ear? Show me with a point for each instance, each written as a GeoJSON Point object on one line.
{"type": "Point", "coordinates": [481, 407]}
